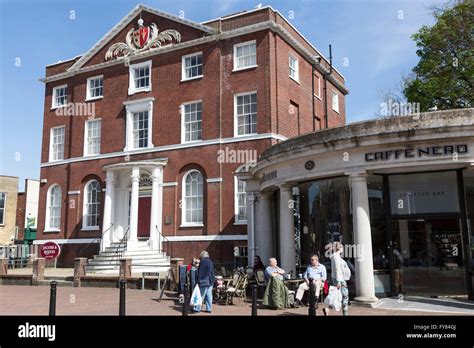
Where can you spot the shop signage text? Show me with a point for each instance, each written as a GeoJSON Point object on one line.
{"type": "Point", "coordinates": [50, 250]}
{"type": "Point", "coordinates": [268, 176]}
{"type": "Point", "coordinates": [410, 152]}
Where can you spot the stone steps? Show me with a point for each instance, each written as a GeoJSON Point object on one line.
{"type": "Point", "coordinates": [109, 254]}
{"type": "Point", "coordinates": [135, 269]}
{"type": "Point", "coordinates": [143, 259]}
{"type": "Point", "coordinates": [136, 261]}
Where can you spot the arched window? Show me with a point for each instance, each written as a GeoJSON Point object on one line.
{"type": "Point", "coordinates": [193, 198]}
{"type": "Point", "coordinates": [53, 211]}
{"type": "Point", "coordinates": [91, 205]}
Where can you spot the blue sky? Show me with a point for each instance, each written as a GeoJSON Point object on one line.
{"type": "Point", "coordinates": [370, 39]}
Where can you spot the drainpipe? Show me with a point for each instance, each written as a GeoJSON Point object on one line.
{"type": "Point", "coordinates": [325, 88]}
{"type": "Point", "coordinates": [312, 95]}
{"type": "Point", "coordinates": [325, 102]}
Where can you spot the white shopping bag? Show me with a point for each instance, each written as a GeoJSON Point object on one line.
{"type": "Point", "coordinates": [196, 298]}
{"type": "Point", "coordinates": [334, 298]}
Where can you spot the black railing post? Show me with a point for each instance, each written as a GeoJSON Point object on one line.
{"type": "Point", "coordinates": [254, 300]}
{"type": "Point", "coordinates": [52, 298]}
{"type": "Point", "coordinates": [312, 299]}
{"type": "Point", "coordinates": [186, 299]}
{"type": "Point", "coordinates": [123, 286]}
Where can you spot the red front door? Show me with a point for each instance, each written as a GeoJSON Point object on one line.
{"type": "Point", "coordinates": [144, 209]}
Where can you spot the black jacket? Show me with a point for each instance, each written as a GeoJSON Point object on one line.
{"type": "Point", "coordinates": [206, 272]}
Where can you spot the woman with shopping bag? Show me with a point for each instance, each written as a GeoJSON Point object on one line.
{"type": "Point", "coordinates": [340, 273]}
{"type": "Point", "coordinates": [205, 282]}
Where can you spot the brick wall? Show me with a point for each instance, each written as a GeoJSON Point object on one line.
{"type": "Point", "coordinates": [20, 214]}
{"type": "Point", "coordinates": [276, 92]}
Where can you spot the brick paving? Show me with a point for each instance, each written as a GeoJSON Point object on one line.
{"type": "Point", "coordinates": [68, 272]}
{"type": "Point", "coordinates": [34, 300]}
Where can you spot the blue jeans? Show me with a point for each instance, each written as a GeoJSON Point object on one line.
{"type": "Point", "coordinates": [206, 293]}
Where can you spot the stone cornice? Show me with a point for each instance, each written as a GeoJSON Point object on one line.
{"type": "Point", "coordinates": [388, 130]}
{"type": "Point", "coordinates": [271, 25]}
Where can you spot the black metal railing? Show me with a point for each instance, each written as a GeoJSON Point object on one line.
{"type": "Point", "coordinates": [161, 237]}
{"type": "Point", "coordinates": [95, 240]}
{"type": "Point", "coordinates": [122, 246]}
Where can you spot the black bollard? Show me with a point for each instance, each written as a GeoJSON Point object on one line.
{"type": "Point", "coordinates": [312, 299]}
{"type": "Point", "coordinates": [123, 287]}
{"type": "Point", "coordinates": [186, 300]}
{"type": "Point", "coordinates": [254, 300]}
{"type": "Point", "coordinates": [52, 298]}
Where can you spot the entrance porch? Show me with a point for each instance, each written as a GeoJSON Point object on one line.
{"type": "Point", "coordinates": [133, 205]}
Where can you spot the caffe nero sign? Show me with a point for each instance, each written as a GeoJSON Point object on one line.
{"type": "Point", "coordinates": [418, 152]}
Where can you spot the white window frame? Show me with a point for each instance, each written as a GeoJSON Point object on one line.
{"type": "Point", "coordinates": [5, 195]}
{"type": "Point", "coordinates": [296, 68]}
{"type": "Point", "coordinates": [183, 116]}
{"type": "Point", "coordinates": [88, 88]}
{"type": "Point", "coordinates": [48, 227]}
{"type": "Point", "coordinates": [238, 221]}
{"type": "Point", "coordinates": [318, 87]}
{"type": "Point", "coordinates": [236, 130]}
{"type": "Point", "coordinates": [131, 82]}
{"type": "Point", "coordinates": [51, 138]}
{"type": "Point", "coordinates": [53, 99]}
{"type": "Point", "coordinates": [183, 67]}
{"type": "Point", "coordinates": [336, 96]}
{"type": "Point", "coordinates": [86, 136]}
{"type": "Point", "coordinates": [185, 223]}
{"type": "Point", "coordinates": [235, 55]}
{"type": "Point", "coordinates": [132, 107]}
{"type": "Point", "coordinates": [85, 226]}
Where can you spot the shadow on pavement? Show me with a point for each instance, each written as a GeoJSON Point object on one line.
{"type": "Point", "coordinates": [440, 302]}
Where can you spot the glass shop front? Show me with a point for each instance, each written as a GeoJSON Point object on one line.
{"type": "Point", "coordinates": [422, 229]}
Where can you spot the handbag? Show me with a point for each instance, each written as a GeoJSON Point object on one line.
{"type": "Point", "coordinates": [346, 271]}
{"type": "Point", "coordinates": [196, 298]}
{"type": "Point", "coordinates": [326, 288]}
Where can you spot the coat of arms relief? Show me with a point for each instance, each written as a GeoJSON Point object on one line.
{"type": "Point", "coordinates": [142, 39]}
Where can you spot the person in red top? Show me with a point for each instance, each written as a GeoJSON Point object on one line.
{"type": "Point", "coordinates": [194, 264]}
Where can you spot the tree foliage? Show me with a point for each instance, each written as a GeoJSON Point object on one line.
{"type": "Point", "coordinates": [444, 75]}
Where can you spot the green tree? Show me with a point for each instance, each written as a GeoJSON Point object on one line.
{"type": "Point", "coordinates": [444, 75]}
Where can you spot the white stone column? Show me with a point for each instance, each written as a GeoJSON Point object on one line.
{"type": "Point", "coordinates": [156, 208]}
{"type": "Point", "coordinates": [108, 218]}
{"type": "Point", "coordinates": [365, 285]}
{"type": "Point", "coordinates": [251, 198]}
{"type": "Point", "coordinates": [264, 237]}
{"type": "Point", "coordinates": [132, 233]}
{"type": "Point", "coordinates": [287, 230]}
{"type": "Point", "coordinates": [121, 214]}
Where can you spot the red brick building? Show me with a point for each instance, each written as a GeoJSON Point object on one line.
{"type": "Point", "coordinates": [143, 133]}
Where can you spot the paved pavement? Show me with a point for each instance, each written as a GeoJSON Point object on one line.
{"type": "Point", "coordinates": [69, 272]}
{"type": "Point", "coordinates": [34, 300]}
{"type": "Point", "coordinates": [429, 305]}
